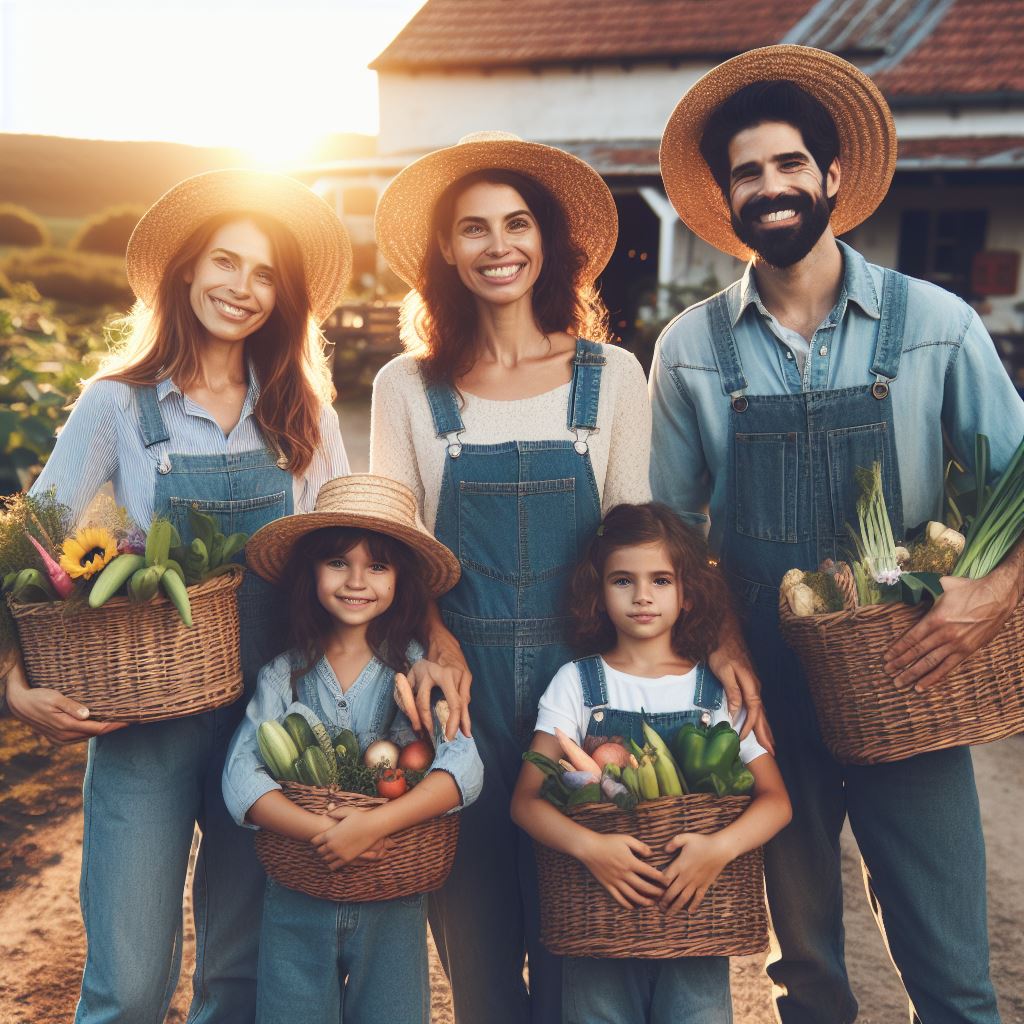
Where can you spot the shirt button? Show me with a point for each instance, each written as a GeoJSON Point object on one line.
{"type": "Point", "coordinates": [342, 704]}
{"type": "Point", "coordinates": [823, 351]}
{"type": "Point", "coordinates": [789, 355]}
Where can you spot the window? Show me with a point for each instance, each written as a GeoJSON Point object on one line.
{"type": "Point", "coordinates": [940, 245]}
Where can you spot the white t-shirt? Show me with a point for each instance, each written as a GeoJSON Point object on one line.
{"type": "Point", "coordinates": [562, 704]}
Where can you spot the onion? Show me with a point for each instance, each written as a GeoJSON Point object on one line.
{"type": "Point", "coordinates": [611, 753]}
{"type": "Point", "coordinates": [381, 752]}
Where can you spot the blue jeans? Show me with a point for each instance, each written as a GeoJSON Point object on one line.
{"type": "Point", "coordinates": [323, 962]}
{"type": "Point", "coordinates": [145, 788]}
{"type": "Point", "coordinates": [607, 991]}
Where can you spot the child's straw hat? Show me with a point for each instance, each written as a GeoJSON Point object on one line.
{"type": "Point", "coordinates": [366, 502]}
{"type": "Point", "coordinates": [322, 239]}
{"type": "Point", "coordinates": [405, 212]}
{"type": "Point", "coordinates": [867, 137]}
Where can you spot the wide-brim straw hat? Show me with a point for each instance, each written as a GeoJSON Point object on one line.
{"type": "Point", "coordinates": [364, 501]}
{"type": "Point", "coordinates": [406, 209]}
{"type": "Point", "coordinates": [322, 239]}
{"type": "Point", "coordinates": [867, 137]}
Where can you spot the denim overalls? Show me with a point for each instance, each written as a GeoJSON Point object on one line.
{"type": "Point", "coordinates": [791, 493]}
{"type": "Point", "coordinates": [624, 991]}
{"type": "Point", "coordinates": [518, 515]}
{"type": "Point", "coordinates": [146, 786]}
{"type": "Point", "coordinates": [322, 961]}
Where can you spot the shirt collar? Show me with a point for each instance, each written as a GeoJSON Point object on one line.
{"type": "Point", "coordinates": [167, 387]}
{"type": "Point", "coordinates": [858, 287]}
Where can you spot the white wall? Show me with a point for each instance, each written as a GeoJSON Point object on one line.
{"type": "Point", "coordinates": [425, 111]}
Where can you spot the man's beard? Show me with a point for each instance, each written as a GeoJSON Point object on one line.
{"type": "Point", "coordinates": [782, 247]}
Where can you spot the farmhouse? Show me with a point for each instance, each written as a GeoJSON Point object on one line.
{"type": "Point", "coordinates": [599, 78]}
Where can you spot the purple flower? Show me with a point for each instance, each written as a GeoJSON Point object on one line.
{"type": "Point", "coordinates": [132, 543]}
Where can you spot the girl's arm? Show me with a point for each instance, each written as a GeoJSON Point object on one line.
{"type": "Point", "coordinates": [702, 857]}
{"type": "Point", "coordinates": [614, 860]}
{"type": "Point", "coordinates": [358, 829]}
{"type": "Point", "coordinates": [276, 812]}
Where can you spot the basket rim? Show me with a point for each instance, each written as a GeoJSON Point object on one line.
{"type": "Point", "coordinates": [863, 611]}
{"type": "Point", "coordinates": [222, 581]}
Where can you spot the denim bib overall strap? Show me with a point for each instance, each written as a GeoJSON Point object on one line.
{"type": "Point", "coordinates": [168, 775]}
{"type": "Point", "coordinates": [792, 493]}
{"type": "Point", "coordinates": [607, 721]}
{"type": "Point", "coordinates": [518, 516]}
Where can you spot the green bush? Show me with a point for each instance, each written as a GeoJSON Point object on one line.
{"type": "Point", "coordinates": [19, 226]}
{"type": "Point", "coordinates": [107, 232]}
{"type": "Point", "coordinates": [42, 359]}
{"type": "Point", "coordinates": [79, 278]}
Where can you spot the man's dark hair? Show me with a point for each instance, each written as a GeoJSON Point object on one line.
{"type": "Point", "coordinates": [757, 103]}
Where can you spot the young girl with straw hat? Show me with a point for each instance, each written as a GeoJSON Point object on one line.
{"type": "Point", "coordinates": [360, 572]}
{"type": "Point", "coordinates": [219, 399]}
{"type": "Point", "coordinates": [514, 425]}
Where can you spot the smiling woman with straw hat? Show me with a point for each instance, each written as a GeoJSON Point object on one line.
{"type": "Point", "coordinates": [515, 426]}
{"type": "Point", "coordinates": [220, 399]}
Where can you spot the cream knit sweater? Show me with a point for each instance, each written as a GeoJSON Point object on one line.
{"type": "Point", "coordinates": [403, 445]}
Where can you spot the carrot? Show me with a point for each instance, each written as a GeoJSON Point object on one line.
{"type": "Point", "coordinates": [63, 584]}
{"type": "Point", "coordinates": [580, 759]}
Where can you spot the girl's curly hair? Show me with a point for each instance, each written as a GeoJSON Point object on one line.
{"type": "Point", "coordinates": [695, 633]}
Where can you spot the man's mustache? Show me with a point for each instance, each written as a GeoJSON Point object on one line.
{"type": "Point", "coordinates": [754, 210]}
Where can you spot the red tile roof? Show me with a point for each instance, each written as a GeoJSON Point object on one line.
{"type": "Point", "coordinates": [947, 47]}
{"type": "Point", "coordinates": [978, 47]}
{"type": "Point", "coordinates": [481, 33]}
{"type": "Point", "coordinates": [972, 151]}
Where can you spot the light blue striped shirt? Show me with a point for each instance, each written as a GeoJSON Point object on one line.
{"type": "Point", "coordinates": [102, 441]}
{"type": "Point", "coordinates": [950, 383]}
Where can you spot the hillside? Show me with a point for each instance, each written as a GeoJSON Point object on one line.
{"type": "Point", "coordinates": [58, 177]}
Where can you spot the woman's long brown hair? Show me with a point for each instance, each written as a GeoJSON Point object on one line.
{"type": "Point", "coordinates": [287, 352]}
{"type": "Point", "coordinates": [695, 632]}
{"type": "Point", "coordinates": [390, 633]}
{"type": "Point", "coordinates": [439, 320]}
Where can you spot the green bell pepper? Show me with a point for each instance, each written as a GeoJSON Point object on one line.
{"type": "Point", "coordinates": [709, 758]}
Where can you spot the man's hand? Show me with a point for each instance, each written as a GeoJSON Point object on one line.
{"type": "Point", "coordinates": [730, 661]}
{"type": "Point", "coordinates": [57, 717]}
{"type": "Point", "coordinates": [967, 615]}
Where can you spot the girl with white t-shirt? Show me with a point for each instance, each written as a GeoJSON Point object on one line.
{"type": "Point", "coordinates": [648, 604]}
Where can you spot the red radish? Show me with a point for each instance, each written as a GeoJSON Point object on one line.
{"type": "Point", "coordinates": [418, 756]}
{"type": "Point", "coordinates": [63, 584]}
{"type": "Point", "coordinates": [611, 753]}
{"type": "Point", "coordinates": [580, 759]}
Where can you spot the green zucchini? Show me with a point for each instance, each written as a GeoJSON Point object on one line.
{"type": "Point", "coordinates": [314, 761]}
{"type": "Point", "coordinates": [298, 728]}
{"type": "Point", "coordinates": [115, 575]}
{"type": "Point", "coordinates": [324, 743]}
{"type": "Point", "coordinates": [278, 751]}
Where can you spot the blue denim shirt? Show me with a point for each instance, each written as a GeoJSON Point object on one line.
{"type": "Point", "coordinates": [246, 778]}
{"type": "Point", "coordinates": [950, 380]}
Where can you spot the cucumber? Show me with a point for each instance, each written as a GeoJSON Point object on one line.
{"type": "Point", "coordinates": [324, 743]}
{"type": "Point", "coordinates": [114, 576]}
{"type": "Point", "coordinates": [298, 728]}
{"type": "Point", "coordinates": [278, 751]}
{"type": "Point", "coordinates": [314, 761]}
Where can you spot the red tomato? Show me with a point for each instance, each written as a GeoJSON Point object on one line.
{"type": "Point", "coordinates": [391, 783]}
{"type": "Point", "coordinates": [416, 756]}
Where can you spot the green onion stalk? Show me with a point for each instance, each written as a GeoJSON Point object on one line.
{"type": "Point", "coordinates": [876, 547]}
{"type": "Point", "coordinates": [999, 523]}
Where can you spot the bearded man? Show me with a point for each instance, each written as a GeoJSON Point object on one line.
{"type": "Point", "coordinates": [766, 397]}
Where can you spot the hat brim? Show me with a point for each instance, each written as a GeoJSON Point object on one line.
{"type": "Point", "coordinates": [270, 547]}
{"type": "Point", "coordinates": [322, 239]}
{"type": "Point", "coordinates": [867, 138]}
{"type": "Point", "coordinates": [406, 209]}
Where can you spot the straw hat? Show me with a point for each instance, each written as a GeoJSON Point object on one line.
{"type": "Point", "coordinates": [406, 209]}
{"type": "Point", "coordinates": [867, 137]}
{"type": "Point", "coordinates": [364, 501]}
{"type": "Point", "coordinates": [324, 242]}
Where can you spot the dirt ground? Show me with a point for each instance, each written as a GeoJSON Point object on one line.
{"type": "Point", "coordinates": [42, 946]}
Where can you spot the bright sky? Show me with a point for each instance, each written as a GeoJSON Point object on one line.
{"type": "Point", "coordinates": [267, 75]}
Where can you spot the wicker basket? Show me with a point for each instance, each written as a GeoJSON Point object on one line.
{"type": "Point", "coordinates": [137, 662]}
{"type": "Point", "coordinates": [419, 862]}
{"type": "Point", "coordinates": [865, 719]}
{"type": "Point", "coordinates": [579, 918]}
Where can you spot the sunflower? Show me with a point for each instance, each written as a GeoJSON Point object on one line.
{"type": "Point", "coordinates": [87, 551]}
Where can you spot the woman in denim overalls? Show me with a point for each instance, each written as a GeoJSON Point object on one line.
{"type": "Point", "coordinates": [219, 401]}
{"type": "Point", "coordinates": [513, 431]}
